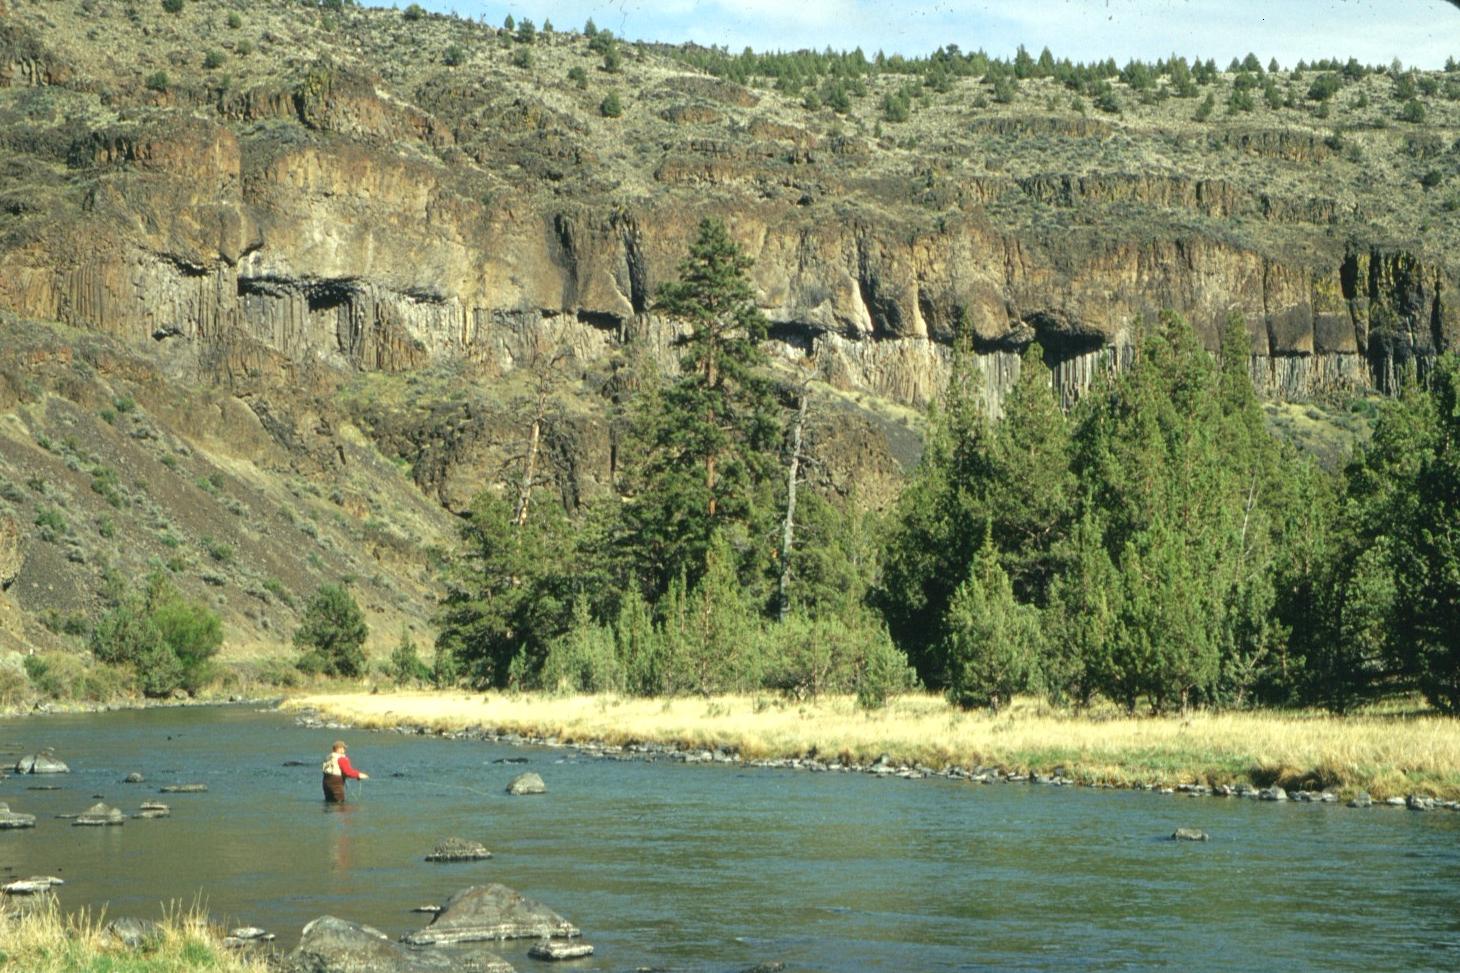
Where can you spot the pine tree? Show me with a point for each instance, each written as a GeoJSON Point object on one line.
{"type": "Point", "coordinates": [709, 439]}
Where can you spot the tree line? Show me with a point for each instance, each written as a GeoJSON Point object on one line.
{"type": "Point", "coordinates": [1153, 545]}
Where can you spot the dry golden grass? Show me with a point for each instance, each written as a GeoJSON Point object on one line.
{"type": "Point", "coordinates": [43, 940]}
{"type": "Point", "coordinates": [1386, 754]}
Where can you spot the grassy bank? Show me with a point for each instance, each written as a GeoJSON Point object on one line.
{"type": "Point", "coordinates": [42, 940]}
{"type": "Point", "coordinates": [1385, 753]}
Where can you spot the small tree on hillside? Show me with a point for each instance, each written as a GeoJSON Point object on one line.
{"type": "Point", "coordinates": [332, 635]}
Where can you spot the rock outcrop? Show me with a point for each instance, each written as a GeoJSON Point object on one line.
{"type": "Point", "coordinates": [347, 213]}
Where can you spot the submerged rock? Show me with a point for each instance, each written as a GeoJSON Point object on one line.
{"type": "Point", "coordinates": [528, 783]}
{"type": "Point", "coordinates": [152, 809]}
{"type": "Point", "coordinates": [184, 789]}
{"type": "Point", "coordinates": [556, 949]}
{"type": "Point", "coordinates": [1273, 793]}
{"type": "Point", "coordinates": [331, 945]}
{"type": "Point", "coordinates": [100, 814]}
{"type": "Point", "coordinates": [1188, 834]}
{"type": "Point", "coordinates": [40, 763]}
{"type": "Point", "coordinates": [494, 911]}
{"type": "Point", "coordinates": [458, 850]}
{"type": "Point", "coordinates": [133, 778]}
{"type": "Point", "coordinates": [1361, 799]}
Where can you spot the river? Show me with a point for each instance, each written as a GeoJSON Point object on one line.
{"type": "Point", "coordinates": [716, 867]}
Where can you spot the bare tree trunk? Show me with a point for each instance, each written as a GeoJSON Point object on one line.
{"type": "Point", "coordinates": [529, 471]}
{"type": "Point", "coordinates": [788, 529]}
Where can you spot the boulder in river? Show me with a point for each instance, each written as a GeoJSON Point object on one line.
{"type": "Point", "coordinates": [528, 783]}
{"type": "Point", "coordinates": [10, 820]}
{"type": "Point", "coordinates": [35, 885]}
{"type": "Point", "coordinates": [1361, 799]}
{"type": "Point", "coordinates": [494, 911]}
{"type": "Point", "coordinates": [153, 809]}
{"type": "Point", "coordinates": [331, 945]}
{"type": "Point", "coordinates": [184, 789]}
{"type": "Point", "coordinates": [40, 763]}
{"type": "Point", "coordinates": [100, 814]}
{"type": "Point", "coordinates": [133, 778]}
{"type": "Point", "coordinates": [556, 949]}
{"type": "Point", "coordinates": [1273, 793]}
{"type": "Point", "coordinates": [1188, 834]}
{"type": "Point", "coordinates": [458, 850]}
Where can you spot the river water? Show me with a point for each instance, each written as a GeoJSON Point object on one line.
{"type": "Point", "coordinates": [715, 867]}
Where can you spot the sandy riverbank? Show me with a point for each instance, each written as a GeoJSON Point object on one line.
{"type": "Point", "coordinates": [1386, 755]}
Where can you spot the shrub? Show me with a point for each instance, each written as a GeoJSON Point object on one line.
{"type": "Point", "coordinates": [212, 60]}
{"type": "Point", "coordinates": [526, 32]}
{"type": "Point", "coordinates": [172, 6]}
{"type": "Point", "coordinates": [158, 81]}
{"type": "Point", "coordinates": [522, 58]}
{"type": "Point", "coordinates": [234, 20]}
{"type": "Point", "coordinates": [166, 638]}
{"type": "Point", "coordinates": [1432, 178]}
{"type": "Point", "coordinates": [406, 667]}
{"type": "Point", "coordinates": [578, 76]}
{"type": "Point", "coordinates": [52, 523]}
{"type": "Point", "coordinates": [453, 55]}
{"type": "Point", "coordinates": [219, 551]}
{"type": "Point", "coordinates": [1412, 112]}
{"type": "Point", "coordinates": [611, 59]}
{"type": "Point", "coordinates": [332, 634]}
{"type": "Point", "coordinates": [414, 12]}
{"type": "Point", "coordinates": [610, 107]}
{"type": "Point", "coordinates": [1324, 87]}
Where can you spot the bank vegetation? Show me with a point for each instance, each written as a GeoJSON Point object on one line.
{"type": "Point", "coordinates": [1387, 752]}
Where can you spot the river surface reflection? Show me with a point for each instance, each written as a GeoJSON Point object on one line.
{"type": "Point", "coordinates": [700, 867]}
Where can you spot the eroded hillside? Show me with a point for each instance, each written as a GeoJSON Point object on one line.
{"type": "Point", "coordinates": [324, 254]}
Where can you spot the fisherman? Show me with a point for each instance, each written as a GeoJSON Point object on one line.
{"type": "Point", "coordinates": [336, 769]}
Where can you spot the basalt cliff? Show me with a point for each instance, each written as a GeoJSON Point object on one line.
{"type": "Point", "coordinates": [354, 231]}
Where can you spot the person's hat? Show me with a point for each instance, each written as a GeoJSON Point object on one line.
{"type": "Point", "coordinates": [339, 745]}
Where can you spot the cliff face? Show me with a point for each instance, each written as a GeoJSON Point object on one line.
{"type": "Point", "coordinates": [348, 202]}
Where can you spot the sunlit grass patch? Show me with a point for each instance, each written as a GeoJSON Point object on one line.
{"type": "Point", "coordinates": [1391, 751]}
{"type": "Point", "coordinates": [41, 939]}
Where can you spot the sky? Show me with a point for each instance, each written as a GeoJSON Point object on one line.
{"type": "Point", "coordinates": [1422, 33]}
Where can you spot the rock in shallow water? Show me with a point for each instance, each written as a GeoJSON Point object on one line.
{"type": "Point", "coordinates": [10, 820]}
{"type": "Point", "coordinates": [35, 885]}
{"type": "Point", "coordinates": [184, 789]}
{"type": "Point", "coordinates": [98, 815]}
{"type": "Point", "coordinates": [331, 945]}
{"type": "Point", "coordinates": [40, 763]}
{"type": "Point", "coordinates": [485, 912]}
{"type": "Point", "coordinates": [528, 783]}
{"type": "Point", "coordinates": [458, 850]}
{"type": "Point", "coordinates": [133, 778]}
{"type": "Point", "coordinates": [556, 949]}
{"type": "Point", "coordinates": [1188, 834]}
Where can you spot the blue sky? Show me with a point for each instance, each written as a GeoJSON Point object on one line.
{"type": "Point", "coordinates": [1418, 32]}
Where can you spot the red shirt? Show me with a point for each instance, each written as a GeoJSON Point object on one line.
{"type": "Point", "coordinates": [346, 769]}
